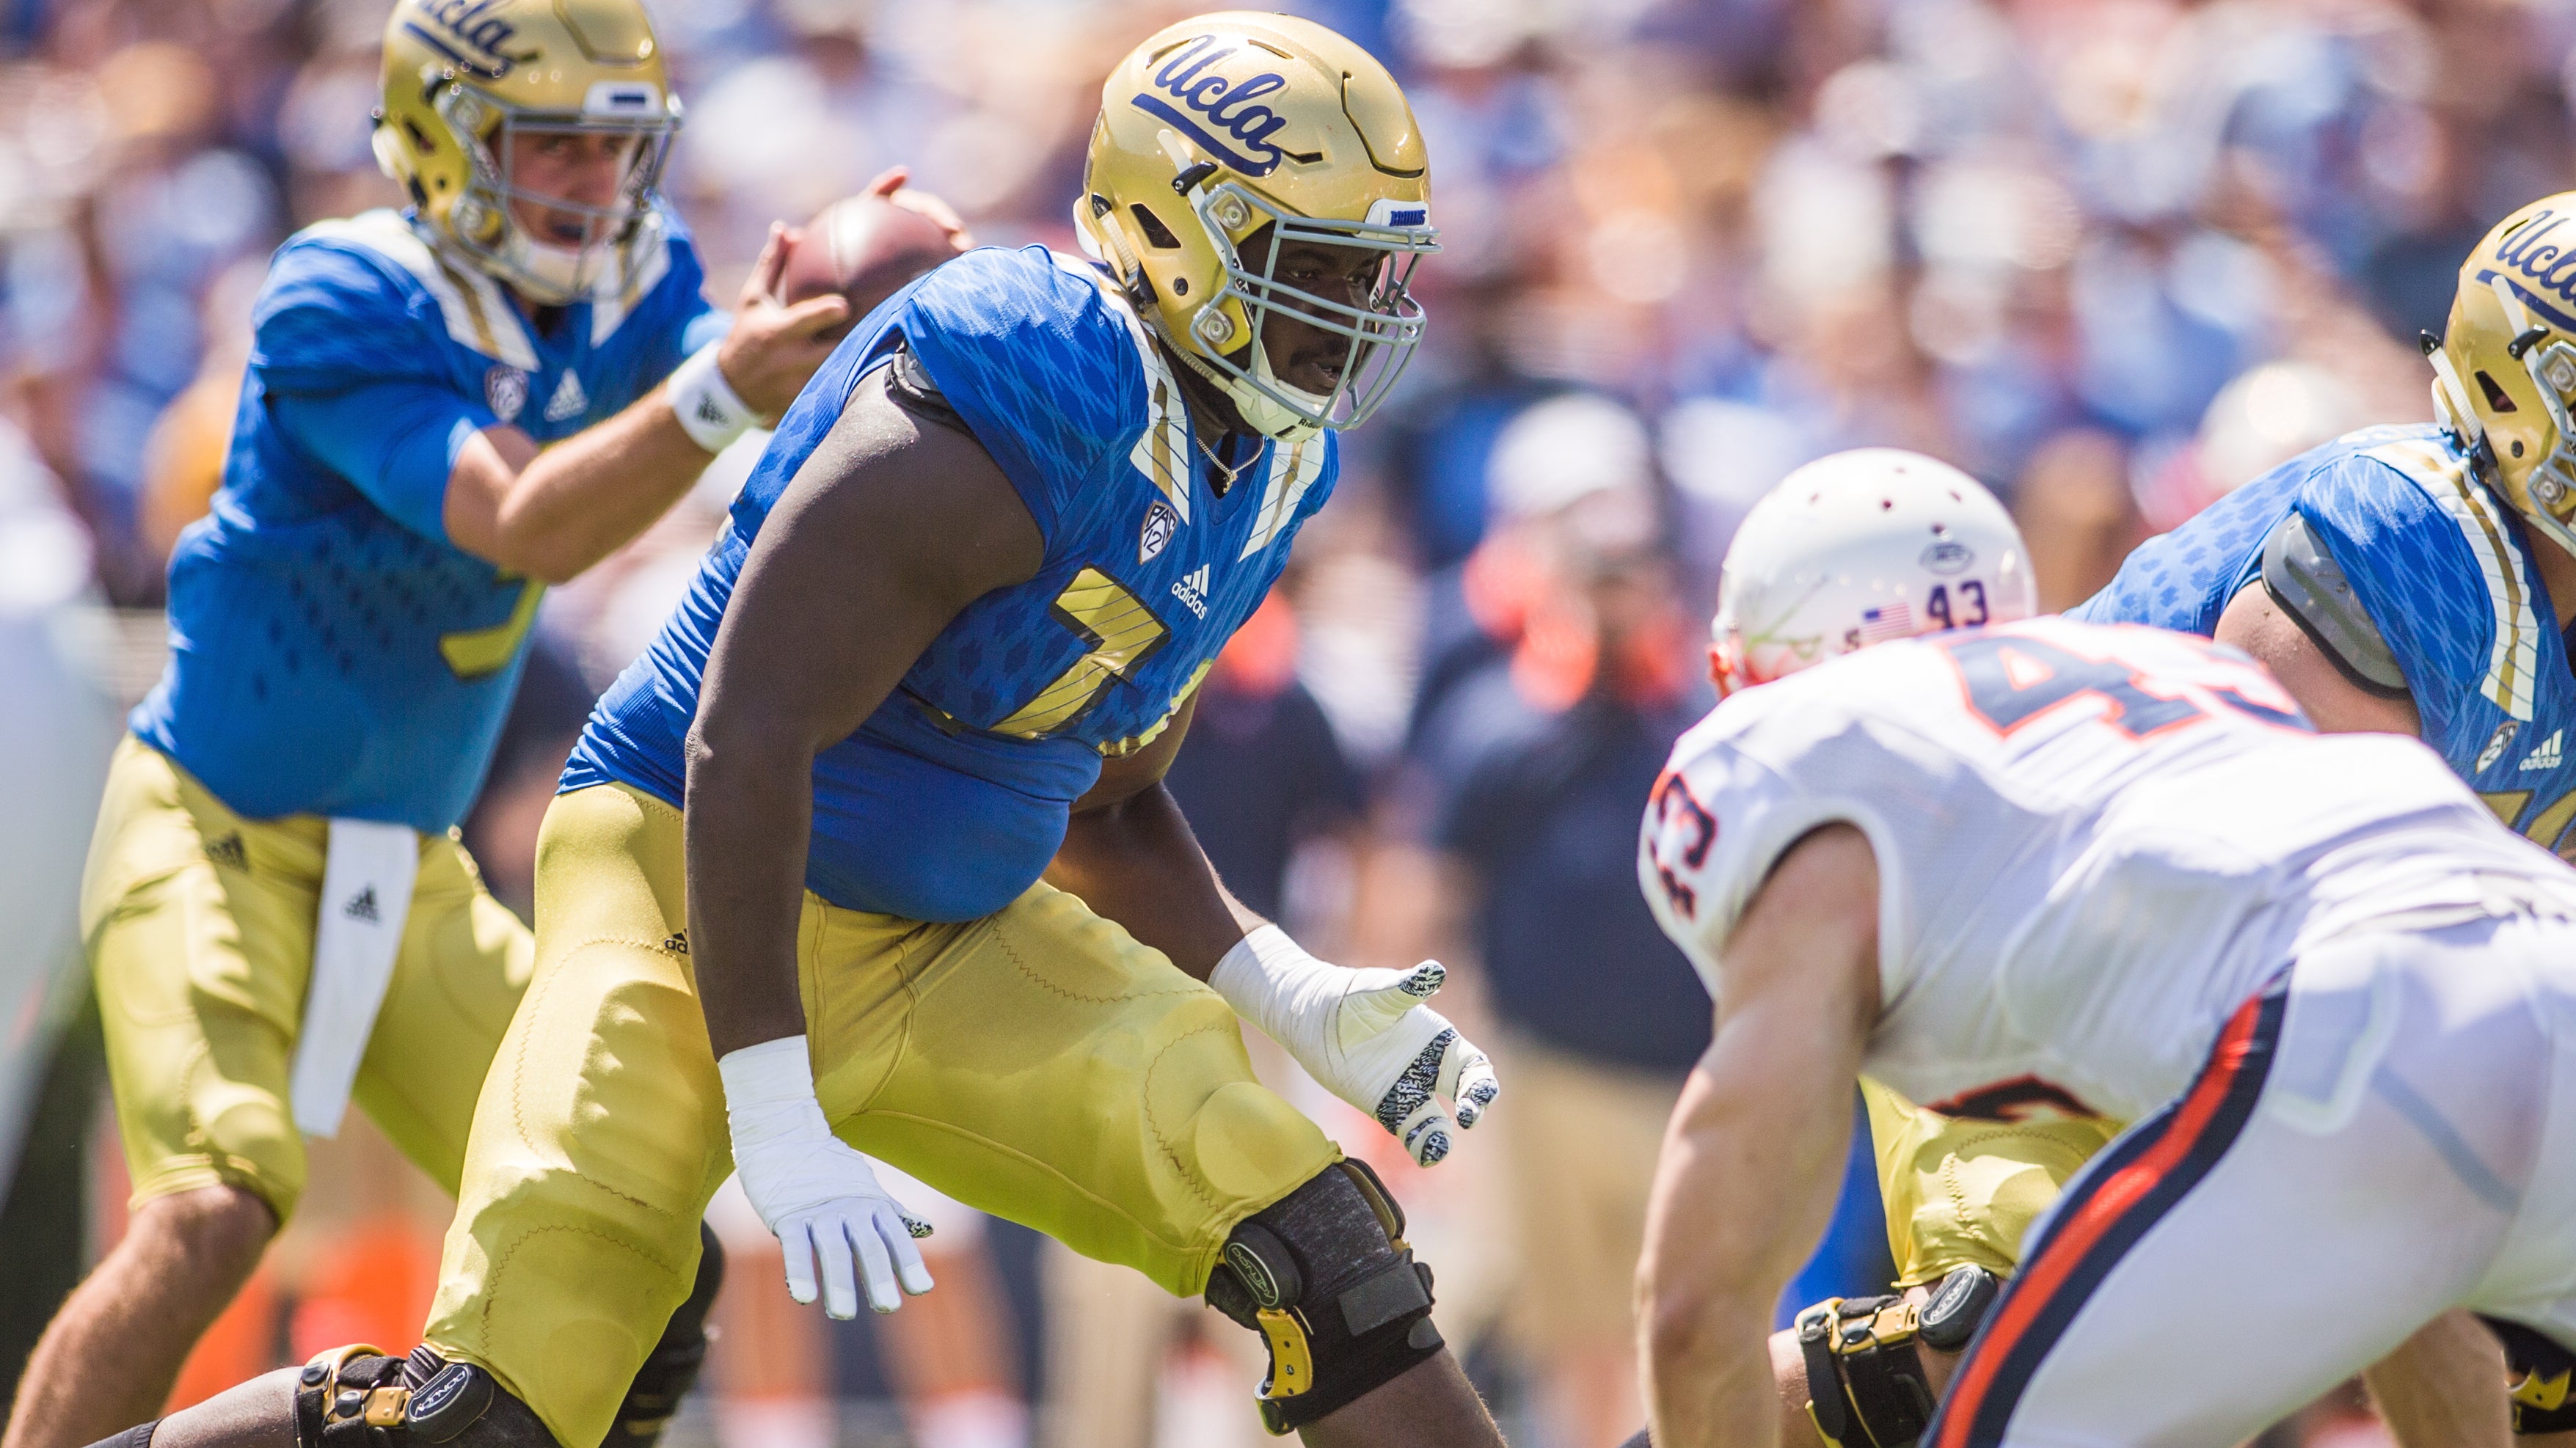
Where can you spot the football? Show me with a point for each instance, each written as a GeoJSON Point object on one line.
{"type": "Point", "coordinates": [864, 247]}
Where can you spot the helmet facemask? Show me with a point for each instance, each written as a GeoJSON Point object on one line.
{"type": "Point", "coordinates": [483, 221]}
{"type": "Point", "coordinates": [1379, 335]}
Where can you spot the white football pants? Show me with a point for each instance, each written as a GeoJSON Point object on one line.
{"type": "Point", "coordinates": [2387, 1133]}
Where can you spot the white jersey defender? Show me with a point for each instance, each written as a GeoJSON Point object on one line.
{"type": "Point", "coordinates": [2119, 875]}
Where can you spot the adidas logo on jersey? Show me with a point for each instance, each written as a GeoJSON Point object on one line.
{"type": "Point", "coordinates": [1192, 591]}
{"type": "Point", "coordinates": [362, 906]}
{"type": "Point", "coordinates": [2549, 755]}
{"type": "Point", "coordinates": [569, 400]}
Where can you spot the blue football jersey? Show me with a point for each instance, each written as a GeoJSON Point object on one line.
{"type": "Point", "coordinates": [953, 796]}
{"type": "Point", "coordinates": [330, 651]}
{"type": "Point", "coordinates": [2443, 568]}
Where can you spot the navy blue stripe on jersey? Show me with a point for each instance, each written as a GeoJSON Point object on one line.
{"type": "Point", "coordinates": [2112, 1204]}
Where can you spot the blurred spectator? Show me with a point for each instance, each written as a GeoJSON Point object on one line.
{"type": "Point", "coordinates": [2075, 508]}
{"type": "Point", "coordinates": [1537, 754]}
{"type": "Point", "coordinates": [1261, 772]}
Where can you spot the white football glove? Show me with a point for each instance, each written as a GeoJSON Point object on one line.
{"type": "Point", "coordinates": [819, 1197]}
{"type": "Point", "coordinates": [1365, 1034]}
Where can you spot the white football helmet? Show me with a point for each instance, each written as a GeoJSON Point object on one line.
{"type": "Point", "coordinates": [1856, 549]}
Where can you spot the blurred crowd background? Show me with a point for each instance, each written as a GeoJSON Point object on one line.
{"type": "Point", "coordinates": [2114, 257]}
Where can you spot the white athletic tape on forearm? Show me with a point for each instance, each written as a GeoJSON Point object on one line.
{"type": "Point", "coordinates": [710, 412]}
{"type": "Point", "coordinates": [1272, 982]}
{"type": "Point", "coordinates": [367, 879]}
{"type": "Point", "coordinates": [1364, 1034]}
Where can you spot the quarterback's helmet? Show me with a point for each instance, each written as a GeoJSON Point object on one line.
{"type": "Point", "coordinates": [1239, 128]}
{"type": "Point", "coordinates": [2504, 372]}
{"type": "Point", "coordinates": [1860, 548]}
{"type": "Point", "coordinates": [462, 77]}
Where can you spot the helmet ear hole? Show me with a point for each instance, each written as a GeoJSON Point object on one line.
{"type": "Point", "coordinates": [2497, 399]}
{"type": "Point", "coordinates": [1157, 235]}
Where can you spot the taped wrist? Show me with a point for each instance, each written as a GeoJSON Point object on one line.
{"type": "Point", "coordinates": [1325, 1276]}
{"type": "Point", "coordinates": [1865, 1381]}
{"type": "Point", "coordinates": [672, 1367]}
{"type": "Point", "coordinates": [2540, 1372]}
{"type": "Point", "coordinates": [709, 410]}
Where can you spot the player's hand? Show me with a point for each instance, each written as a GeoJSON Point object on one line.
{"type": "Point", "coordinates": [839, 1229]}
{"type": "Point", "coordinates": [890, 185]}
{"type": "Point", "coordinates": [1367, 1036]}
{"type": "Point", "coordinates": [774, 348]}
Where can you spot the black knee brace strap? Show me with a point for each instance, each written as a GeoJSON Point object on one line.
{"type": "Point", "coordinates": [1325, 1276]}
{"type": "Point", "coordinates": [357, 1397]}
{"type": "Point", "coordinates": [1865, 1382]}
{"type": "Point", "coordinates": [2543, 1378]}
{"type": "Point", "coordinates": [672, 1367]}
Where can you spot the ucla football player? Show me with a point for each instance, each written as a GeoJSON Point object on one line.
{"type": "Point", "coordinates": [2422, 580]}
{"type": "Point", "coordinates": [446, 409]}
{"type": "Point", "coordinates": [791, 905]}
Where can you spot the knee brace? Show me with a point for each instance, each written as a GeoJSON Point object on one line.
{"type": "Point", "coordinates": [357, 1397]}
{"type": "Point", "coordinates": [672, 1367]}
{"type": "Point", "coordinates": [1865, 1382]}
{"type": "Point", "coordinates": [1326, 1278]}
{"type": "Point", "coordinates": [2541, 1374]}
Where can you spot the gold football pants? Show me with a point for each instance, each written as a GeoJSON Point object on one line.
{"type": "Point", "coordinates": [199, 927]}
{"type": "Point", "coordinates": [1038, 1063]}
{"type": "Point", "coordinates": [1961, 1191]}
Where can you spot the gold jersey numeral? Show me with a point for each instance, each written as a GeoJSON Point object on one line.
{"type": "Point", "coordinates": [473, 652]}
{"type": "Point", "coordinates": [2546, 827]}
{"type": "Point", "coordinates": [1122, 633]}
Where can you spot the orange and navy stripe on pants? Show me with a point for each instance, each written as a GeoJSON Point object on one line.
{"type": "Point", "coordinates": [2113, 1203]}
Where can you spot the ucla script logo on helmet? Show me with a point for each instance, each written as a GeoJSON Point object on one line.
{"type": "Point", "coordinates": [1225, 105]}
{"type": "Point", "coordinates": [2551, 268]}
{"type": "Point", "coordinates": [475, 38]}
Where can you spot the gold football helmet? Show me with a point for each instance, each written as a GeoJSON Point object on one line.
{"type": "Point", "coordinates": [2505, 367]}
{"type": "Point", "coordinates": [463, 77]}
{"type": "Point", "coordinates": [1223, 140]}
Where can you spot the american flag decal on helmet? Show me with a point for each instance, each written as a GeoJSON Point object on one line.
{"type": "Point", "coordinates": [1887, 621]}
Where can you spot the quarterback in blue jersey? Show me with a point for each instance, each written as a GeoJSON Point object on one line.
{"type": "Point", "coordinates": [869, 852]}
{"type": "Point", "coordinates": [445, 410]}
